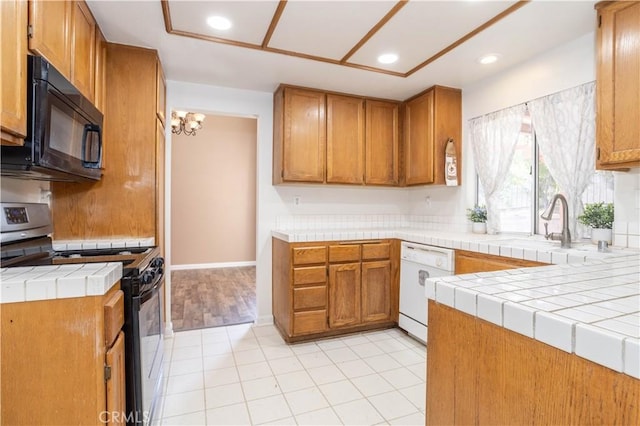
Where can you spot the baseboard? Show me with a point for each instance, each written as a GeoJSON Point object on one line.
{"type": "Point", "coordinates": [264, 320]}
{"type": "Point", "coordinates": [212, 265]}
{"type": "Point", "coordinates": [168, 330]}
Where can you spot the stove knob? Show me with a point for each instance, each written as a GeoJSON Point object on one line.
{"type": "Point", "coordinates": [147, 277]}
{"type": "Point", "coordinates": [157, 262]}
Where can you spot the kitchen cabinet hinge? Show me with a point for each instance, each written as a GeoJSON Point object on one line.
{"type": "Point", "coordinates": [29, 31]}
{"type": "Point", "coordinates": [597, 153]}
{"type": "Point", "coordinates": [599, 21]}
{"type": "Point", "coordinates": [107, 373]}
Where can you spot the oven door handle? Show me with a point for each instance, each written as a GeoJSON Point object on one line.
{"type": "Point", "coordinates": [148, 294]}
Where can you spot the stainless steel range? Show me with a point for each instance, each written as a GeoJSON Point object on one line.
{"type": "Point", "coordinates": [25, 241]}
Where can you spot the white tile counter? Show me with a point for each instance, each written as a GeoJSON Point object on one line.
{"type": "Point", "coordinates": [586, 302]}
{"type": "Point", "coordinates": [30, 283]}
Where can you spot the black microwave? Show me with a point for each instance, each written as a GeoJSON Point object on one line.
{"type": "Point", "coordinates": [64, 131]}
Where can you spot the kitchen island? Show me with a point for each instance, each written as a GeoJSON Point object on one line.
{"type": "Point", "coordinates": [555, 345]}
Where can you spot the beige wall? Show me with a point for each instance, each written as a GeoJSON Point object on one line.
{"type": "Point", "coordinates": [213, 193]}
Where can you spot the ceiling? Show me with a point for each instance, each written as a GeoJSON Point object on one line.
{"type": "Point", "coordinates": [334, 45]}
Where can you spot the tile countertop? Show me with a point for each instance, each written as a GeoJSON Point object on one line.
{"type": "Point", "coordinates": [586, 302]}
{"type": "Point", "coordinates": [31, 283]}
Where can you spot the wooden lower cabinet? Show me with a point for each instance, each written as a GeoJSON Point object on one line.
{"type": "Point", "coordinates": [487, 375]}
{"type": "Point", "coordinates": [376, 291]}
{"type": "Point", "coordinates": [63, 361]}
{"type": "Point", "coordinates": [327, 288]}
{"type": "Point", "coordinates": [468, 262]}
{"type": "Point", "coordinates": [344, 294]}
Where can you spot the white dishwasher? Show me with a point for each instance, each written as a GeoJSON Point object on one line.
{"type": "Point", "coordinates": [417, 263]}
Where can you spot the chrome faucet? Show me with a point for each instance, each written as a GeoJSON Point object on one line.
{"type": "Point", "coordinates": [565, 235]}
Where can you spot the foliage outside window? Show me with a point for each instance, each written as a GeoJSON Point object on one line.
{"type": "Point", "coordinates": [529, 187]}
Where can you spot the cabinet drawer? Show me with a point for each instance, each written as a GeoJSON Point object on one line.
{"type": "Point", "coordinates": [376, 251]}
{"type": "Point", "coordinates": [310, 275]}
{"type": "Point", "coordinates": [113, 317]}
{"type": "Point", "coordinates": [344, 253]}
{"type": "Point", "coordinates": [310, 297]}
{"type": "Point", "coordinates": [309, 322]}
{"type": "Point", "coordinates": [309, 255]}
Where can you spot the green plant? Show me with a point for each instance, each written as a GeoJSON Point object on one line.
{"type": "Point", "coordinates": [597, 215]}
{"type": "Point", "coordinates": [477, 214]}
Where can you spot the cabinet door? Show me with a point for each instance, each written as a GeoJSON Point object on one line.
{"type": "Point", "coordinates": [381, 164]}
{"type": "Point", "coordinates": [419, 145]}
{"type": "Point", "coordinates": [50, 24]}
{"type": "Point", "coordinates": [116, 383]}
{"type": "Point", "coordinates": [376, 291]}
{"type": "Point", "coordinates": [14, 71]}
{"type": "Point", "coordinates": [83, 43]}
{"type": "Point", "coordinates": [345, 139]}
{"type": "Point", "coordinates": [100, 71]}
{"type": "Point", "coordinates": [304, 139]}
{"type": "Point", "coordinates": [344, 294]}
{"type": "Point", "coordinates": [618, 78]}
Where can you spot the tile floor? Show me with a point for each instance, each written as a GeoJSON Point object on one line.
{"type": "Point", "coordinates": [247, 374]}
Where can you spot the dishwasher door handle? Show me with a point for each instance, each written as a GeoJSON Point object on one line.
{"type": "Point", "coordinates": [422, 276]}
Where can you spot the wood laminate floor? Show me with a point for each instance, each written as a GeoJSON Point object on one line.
{"type": "Point", "coordinates": [202, 298]}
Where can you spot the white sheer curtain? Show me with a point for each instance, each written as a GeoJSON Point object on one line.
{"type": "Point", "coordinates": [564, 124]}
{"type": "Point", "coordinates": [493, 138]}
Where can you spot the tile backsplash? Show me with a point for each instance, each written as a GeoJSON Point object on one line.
{"type": "Point", "coordinates": [626, 234]}
{"type": "Point", "coordinates": [358, 221]}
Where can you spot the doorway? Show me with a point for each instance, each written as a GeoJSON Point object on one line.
{"type": "Point", "coordinates": [213, 224]}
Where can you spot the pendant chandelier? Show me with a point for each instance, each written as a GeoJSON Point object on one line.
{"type": "Point", "coordinates": [186, 122]}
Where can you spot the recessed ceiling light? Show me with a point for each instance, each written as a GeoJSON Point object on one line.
{"type": "Point", "coordinates": [388, 58]}
{"type": "Point", "coordinates": [489, 59]}
{"type": "Point", "coordinates": [219, 22]}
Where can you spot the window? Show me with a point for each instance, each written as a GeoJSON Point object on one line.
{"type": "Point", "coordinates": [529, 187]}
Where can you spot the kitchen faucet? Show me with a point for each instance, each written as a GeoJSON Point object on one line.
{"type": "Point", "coordinates": [565, 235]}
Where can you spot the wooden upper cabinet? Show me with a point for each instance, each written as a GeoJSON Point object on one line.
{"type": "Point", "coordinates": [50, 32]}
{"type": "Point", "coordinates": [13, 30]}
{"type": "Point", "coordinates": [64, 32]}
{"type": "Point", "coordinates": [382, 143]}
{"type": "Point", "coordinates": [418, 143]}
{"type": "Point", "coordinates": [431, 119]}
{"type": "Point", "coordinates": [299, 136]}
{"type": "Point", "coordinates": [100, 71]}
{"type": "Point", "coordinates": [358, 141]}
{"type": "Point", "coordinates": [161, 91]}
{"type": "Point", "coordinates": [618, 85]}
{"type": "Point", "coordinates": [83, 44]}
{"type": "Point", "coordinates": [345, 139]}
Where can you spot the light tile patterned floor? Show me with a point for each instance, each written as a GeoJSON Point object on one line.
{"type": "Point", "coordinates": [244, 374]}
